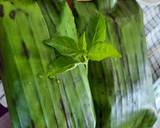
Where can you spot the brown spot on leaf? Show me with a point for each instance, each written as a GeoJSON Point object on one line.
{"type": "Point", "coordinates": [1, 10]}
{"type": "Point", "coordinates": [12, 14]}
{"type": "Point", "coordinates": [70, 3]}
{"type": "Point", "coordinates": [32, 124]}
{"type": "Point", "coordinates": [25, 50]}
{"type": "Point", "coordinates": [12, 2]}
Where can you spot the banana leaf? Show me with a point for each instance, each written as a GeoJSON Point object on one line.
{"type": "Point", "coordinates": [121, 88]}
{"type": "Point", "coordinates": [35, 101]}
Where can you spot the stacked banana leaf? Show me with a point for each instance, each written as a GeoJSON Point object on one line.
{"type": "Point", "coordinates": [121, 88]}
{"type": "Point", "coordinates": [35, 101]}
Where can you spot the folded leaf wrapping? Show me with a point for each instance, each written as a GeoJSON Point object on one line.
{"type": "Point", "coordinates": [35, 101]}
{"type": "Point", "coordinates": [121, 88]}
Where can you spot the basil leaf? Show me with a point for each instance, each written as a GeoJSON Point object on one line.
{"type": "Point", "coordinates": [64, 45]}
{"type": "Point", "coordinates": [102, 50]}
{"type": "Point", "coordinates": [60, 65]}
{"type": "Point", "coordinates": [100, 31]}
{"type": "Point", "coordinates": [82, 42]}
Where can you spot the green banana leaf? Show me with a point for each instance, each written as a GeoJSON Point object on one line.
{"type": "Point", "coordinates": [35, 101]}
{"type": "Point", "coordinates": [121, 88]}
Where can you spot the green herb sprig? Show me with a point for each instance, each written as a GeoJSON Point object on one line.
{"type": "Point", "coordinates": [78, 52]}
